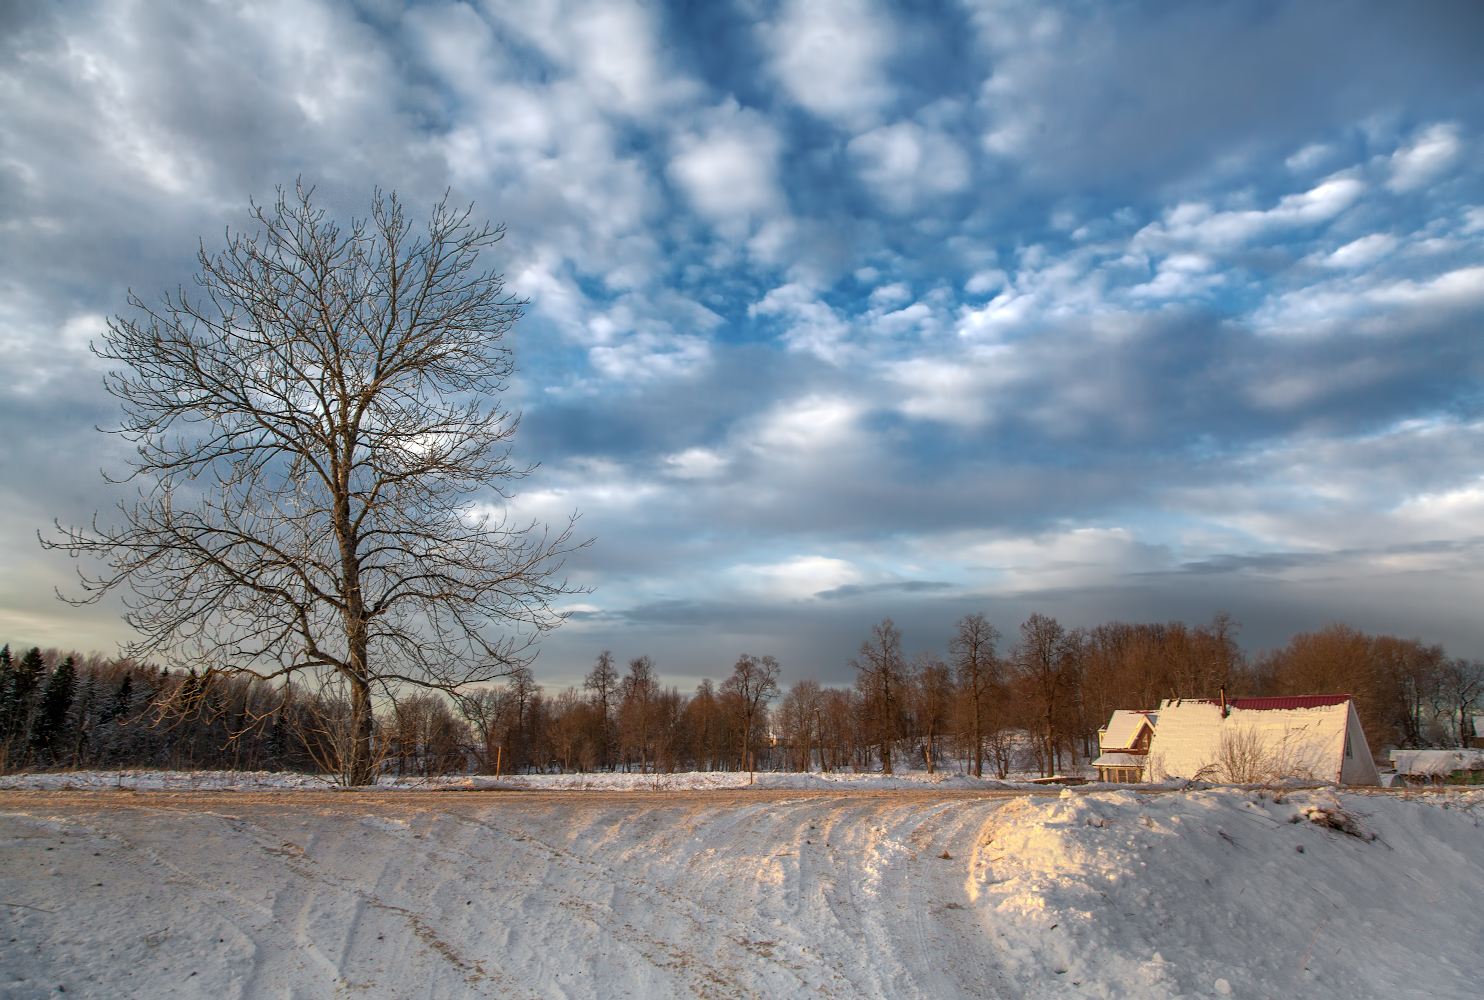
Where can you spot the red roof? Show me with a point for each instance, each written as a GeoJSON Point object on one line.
{"type": "Point", "coordinates": [1272, 704]}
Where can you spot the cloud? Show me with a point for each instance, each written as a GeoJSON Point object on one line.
{"type": "Point", "coordinates": [1362, 252]}
{"type": "Point", "coordinates": [1196, 225]}
{"type": "Point", "coordinates": [730, 171]}
{"type": "Point", "coordinates": [811, 325]}
{"type": "Point", "coordinates": [695, 463]}
{"type": "Point", "coordinates": [839, 309]}
{"type": "Point", "coordinates": [905, 163]}
{"type": "Point", "coordinates": [1434, 150]}
{"type": "Point", "coordinates": [829, 56]}
{"type": "Point", "coordinates": [798, 578]}
{"type": "Point", "coordinates": [852, 590]}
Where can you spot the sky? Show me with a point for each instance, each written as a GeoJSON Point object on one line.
{"type": "Point", "coordinates": [838, 309]}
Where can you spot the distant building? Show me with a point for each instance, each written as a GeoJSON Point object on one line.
{"type": "Point", "coordinates": [1476, 738]}
{"type": "Point", "coordinates": [1241, 740]}
{"type": "Point", "coordinates": [1442, 767]}
{"type": "Point", "coordinates": [1124, 743]}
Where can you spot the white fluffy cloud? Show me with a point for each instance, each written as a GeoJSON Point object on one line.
{"type": "Point", "coordinates": [730, 170]}
{"type": "Point", "coordinates": [906, 163]}
{"type": "Point", "coordinates": [830, 55]}
{"type": "Point", "coordinates": [1433, 151]}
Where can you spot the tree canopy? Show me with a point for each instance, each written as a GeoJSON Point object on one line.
{"type": "Point", "coordinates": [323, 464]}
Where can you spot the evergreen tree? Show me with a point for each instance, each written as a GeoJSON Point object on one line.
{"type": "Point", "coordinates": [190, 692]}
{"type": "Point", "coordinates": [51, 715]}
{"type": "Point", "coordinates": [119, 707]}
{"type": "Point", "coordinates": [20, 694]}
{"type": "Point", "coordinates": [6, 669]}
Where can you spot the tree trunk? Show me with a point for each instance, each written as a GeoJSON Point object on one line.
{"type": "Point", "coordinates": [360, 769]}
{"type": "Point", "coordinates": [978, 741]}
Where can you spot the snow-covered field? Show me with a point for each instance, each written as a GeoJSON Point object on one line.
{"type": "Point", "coordinates": [153, 780]}
{"type": "Point", "coordinates": [937, 892]}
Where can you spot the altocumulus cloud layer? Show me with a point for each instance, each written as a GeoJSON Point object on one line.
{"type": "Point", "coordinates": [839, 308]}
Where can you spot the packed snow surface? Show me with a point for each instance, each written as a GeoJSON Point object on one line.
{"type": "Point", "coordinates": [741, 893]}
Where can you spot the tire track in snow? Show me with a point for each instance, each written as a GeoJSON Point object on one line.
{"type": "Point", "coordinates": [787, 897]}
{"type": "Point", "coordinates": [658, 950]}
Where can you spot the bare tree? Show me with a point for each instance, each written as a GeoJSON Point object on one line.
{"type": "Point", "coordinates": [754, 682]}
{"type": "Point", "coordinates": [880, 675]}
{"type": "Point", "coordinates": [798, 720]}
{"type": "Point", "coordinates": [567, 728]}
{"type": "Point", "coordinates": [337, 393]}
{"type": "Point", "coordinates": [602, 681]}
{"type": "Point", "coordinates": [1462, 685]}
{"type": "Point", "coordinates": [1046, 657]}
{"type": "Point", "coordinates": [973, 651]}
{"type": "Point", "coordinates": [932, 702]}
{"type": "Point", "coordinates": [637, 694]}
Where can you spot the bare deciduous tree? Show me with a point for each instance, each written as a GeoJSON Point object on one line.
{"type": "Point", "coordinates": [798, 721]}
{"type": "Point", "coordinates": [932, 702]}
{"type": "Point", "coordinates": [637, 694]}
{"type": "Point", "coordinates": [754, 682]}
{"type": "Point", "coordinates": [973, 651]}
{"type": "Point", "coordinates": [602, 681]}
{"type": "Point", "coordinates": [880, 675]}
{"type": "Point", "coordinates": [1046, 658]}
{"type": "Point", "coordinates": [1461, 687]}
{"type": "Point", "coordinates": [322, 457]}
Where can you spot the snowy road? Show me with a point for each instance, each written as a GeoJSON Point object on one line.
{"type": "Point", "coordinates": [737, 894]}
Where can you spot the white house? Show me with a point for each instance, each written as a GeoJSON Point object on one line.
{"type": "Point", "coordinates": [1309, 737]}
{"type": "Point", "coordinates": [1124, 743]}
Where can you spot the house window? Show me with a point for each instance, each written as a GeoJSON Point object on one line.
{"type": "Point", "coordinates": [1348, 751]}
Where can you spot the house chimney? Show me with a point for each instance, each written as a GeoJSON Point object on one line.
{"type": "Point", "coordinates": [1223, 701]}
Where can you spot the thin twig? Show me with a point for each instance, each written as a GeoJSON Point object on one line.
{"type": "Point", "coordinates": [1311, 943]}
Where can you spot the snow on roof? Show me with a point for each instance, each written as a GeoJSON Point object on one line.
{"type": "Point", "coordinates": [1292, 701]}
{"type": "Point", "coordinates": [1121, 760]}
{"type": "Point", "coordinates": [1260, 739]}
{"type": "Point", "coordinates": [1439, 762]}
{"type": "Point", "coordinates": [1122, 730]}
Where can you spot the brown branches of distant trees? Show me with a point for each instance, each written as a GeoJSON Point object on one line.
{"type": "Point", "coordinates": [1033, 706]}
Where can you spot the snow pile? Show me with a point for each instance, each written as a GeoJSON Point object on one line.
{"type": "Point", "coordinates": [396, 896]}
{"type": "Point", "coordinates": [1244, 893]}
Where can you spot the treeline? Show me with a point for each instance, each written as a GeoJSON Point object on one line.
{"type": "Point", "coordinates": [982, 704]}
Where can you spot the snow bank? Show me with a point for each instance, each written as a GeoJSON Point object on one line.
{"type": "Point", "coordinates": [1102, 894]}
{"type": "Point", "coordinates": [1233, 892]}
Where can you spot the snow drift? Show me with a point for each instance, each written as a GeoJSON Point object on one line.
{"type": "Point", "coordinates": [1244, 893]}
{"type": "Point", "coordinates": [766, 893]}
